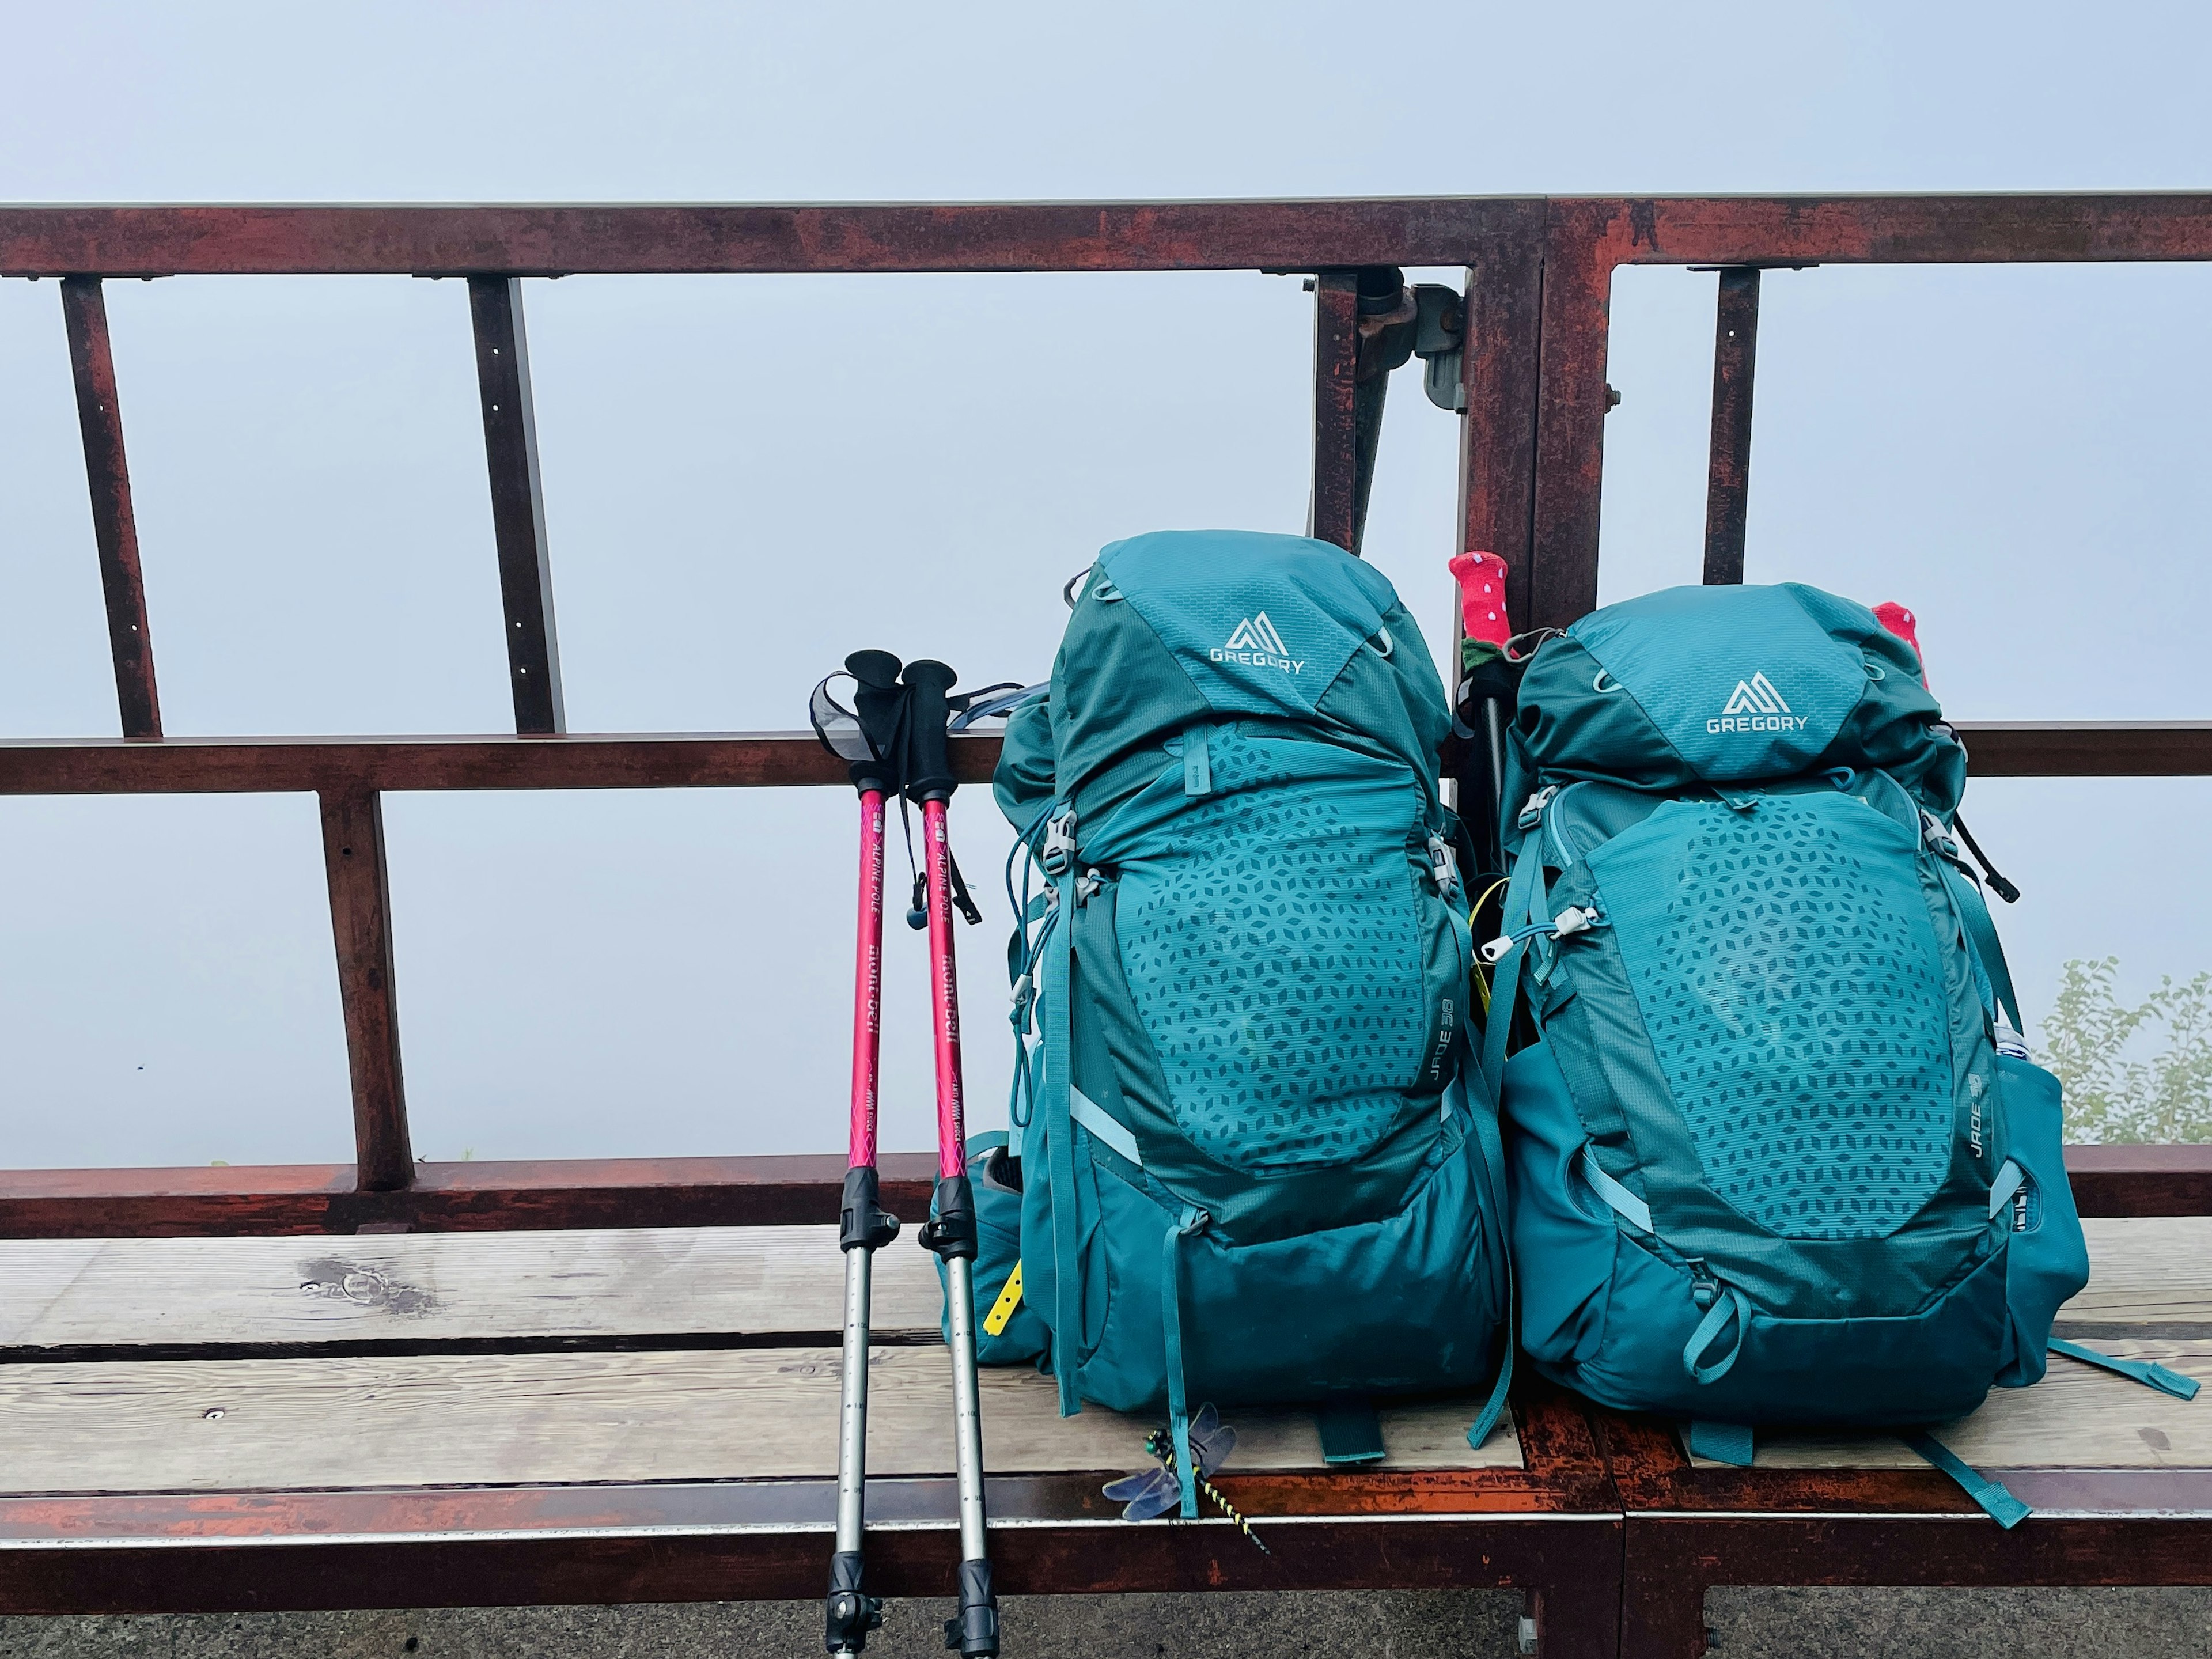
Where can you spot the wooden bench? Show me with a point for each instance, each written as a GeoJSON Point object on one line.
{"type": "Point", "coordinates": [650, 1413]}
{"type": "Point", "coordinates": [194, 1423]}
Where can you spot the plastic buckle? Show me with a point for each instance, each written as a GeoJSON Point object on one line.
{"type": "Point", "coordinates": [1497, 950]}
{"type": "Point", "coordinates": [1087, 886]}
{"type": "Point", "coordinates": [1574, 920]}
{"type": "Point", "coordinates": [1444, 868]}
{"type": "Point", "coordinates": [1059, 844]}
{"type": "Point", "coordinates": [1534, 810]}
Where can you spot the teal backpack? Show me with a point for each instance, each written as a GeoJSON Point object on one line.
{"type": "Point", "coordinates": [1776, 1152]}
{"type": "Point", "coordinates": [1249, 1171]}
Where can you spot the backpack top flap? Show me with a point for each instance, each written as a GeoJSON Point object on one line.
{"type": "Point", "coordinates": [1179, 627]}
{"type": "Point", "coordinates": [1732, 684]}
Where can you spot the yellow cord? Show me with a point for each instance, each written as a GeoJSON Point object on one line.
{"type": "Point", "coordinates": [1482, 984]}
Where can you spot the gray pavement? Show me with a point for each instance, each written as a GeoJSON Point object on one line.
{"type": "Point", "coordinates": [1801, 1624]}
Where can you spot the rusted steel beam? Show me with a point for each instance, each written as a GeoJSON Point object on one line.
{"type": "Point", "coordinates": [361, 922]}
{"type": "Point", "coordinates": [1952, 229]}
{"type": "Point", "coordinates": [2138, 1181]}
{"type": "Point", "coordinates": [524, 240]}
{"type": "Point", "coordinates": [1333, 509]}
{"type": "Point", "coordinates": [1571, 438]}
{"type": "Point", "coordinates": [1290, 236]}
{"type": "Point", "coordinates": [1500, 368]}
{"type": "Point", "coordinates": [40, 766]}
{"type": "Point", "coordinates": [518, 504]}
{"type": "Point", "coordinates": [2087, 749]}
{"type": "Point", "coordinates": [478, 1196]}
{"type": "Point", "coordinates": [688, 1192]}
{"type": "Point", "coordinates": [114, 523]}
{"type": "Point", "coordinates": [260, 765]}
{"type": "Point", "coordinates": [1727, 480]}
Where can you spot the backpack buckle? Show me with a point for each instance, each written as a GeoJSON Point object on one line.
{"type": "Point", "coordinates": [1444, 868]}
{"type": "Point", "coordinates": [1533, 811]}
{"type": "Point", "coordinates": [1059, 845]}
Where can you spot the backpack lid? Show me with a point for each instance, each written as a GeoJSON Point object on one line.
{"type": "Point", "coordinates": [1734, 684]}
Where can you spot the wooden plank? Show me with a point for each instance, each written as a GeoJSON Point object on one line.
{"type": "Point", "coordinates": [515, 1418]}
{"type": "Point", "coordinates": [361, 925]}
{"type": "Point", "coordinates": [2153, 1270]}
{"type": "Point", "coordinates": [416, 1287]}
{"type": "Point", "coordinates": [663, 1281]}
{"type": "Point", "coordinates": [2078, 1417]}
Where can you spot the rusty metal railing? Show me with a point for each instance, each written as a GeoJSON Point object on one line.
{"type": "Point", "coordinates": [1534, 311]}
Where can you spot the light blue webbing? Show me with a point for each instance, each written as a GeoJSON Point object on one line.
{"type": "Point", "coordinates": [1059, 1139]}
{"type": "Point", "coordinates": [1983, 932]}
{"type": "Point", "coordinates": [1730, 1301]}
{"type": "Point", "coordinates": [2147, 1372]}
{"type": "Point", "coordinates": [1191, 1220]}
{"type": "Point", "coordinates": [2000, 1506]}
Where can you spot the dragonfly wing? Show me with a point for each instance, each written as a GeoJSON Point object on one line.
{"type": "Point", "coordinates": [1144, 1496]}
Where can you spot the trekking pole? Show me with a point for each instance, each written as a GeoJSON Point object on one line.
{"type": "Point", "coordinates": [974, 1630]}
{"type": "Point", "coordinates": [1485, 630]}
{"type": "Point", "coordinates": [868, 736]}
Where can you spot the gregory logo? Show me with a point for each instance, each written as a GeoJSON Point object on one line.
{"type": "Point", "coordinates": [1756, 706]}
{"type": "Point", "coordinates": [1256, 644]}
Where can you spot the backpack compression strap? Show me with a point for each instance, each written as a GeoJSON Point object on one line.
{"type": "Point", "coordinates": [1060, 1133]}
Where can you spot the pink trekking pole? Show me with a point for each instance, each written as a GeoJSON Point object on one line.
{"type": "Point", "coordinates": [973, 1632]}
{"type": "Point", "coordinates": [869, 737]}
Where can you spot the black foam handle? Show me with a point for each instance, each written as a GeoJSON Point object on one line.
{"type": "Point", "coordinates": [878, 701]}
{"type": "Point", "coordinates": [929, 759]}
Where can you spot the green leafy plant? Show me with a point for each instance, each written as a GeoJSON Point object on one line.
{"type": "Point", "coordinates": [2091, 1039]}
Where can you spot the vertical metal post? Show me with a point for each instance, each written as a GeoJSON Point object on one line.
{"type": "Point", "coordinates": [1500, 364]}
{"type": "Point", "coordinates": [114, 524]}
{"type": "Point", "coordinates": [1333, 511]}
{"type": "Point", "coordinates": [1727, 486]}
{"type": "Point", "coordinates": [1573, 398]}
{"type": "Point", "coordinates": [518, 504]}
{"type": "Point", "coordinates": [361, 922]}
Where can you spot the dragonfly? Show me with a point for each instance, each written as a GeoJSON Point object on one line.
{"type": "Point", "coordinates": [1157, 1491]}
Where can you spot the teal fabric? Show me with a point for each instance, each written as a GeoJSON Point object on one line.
{"type": "Point", "coordinates": [1759, 1148]}
{"type": "Point", "coordinates": [1724, 1442]}
{"type": "Point", "coordinates": [1257, 985]}
{"type": "Point", "coordinates": [1998, 1503]}
{"type": "Point", "coordinates": [998, 1248]}
{"type": "Point", "coordinates": [1705, 685]}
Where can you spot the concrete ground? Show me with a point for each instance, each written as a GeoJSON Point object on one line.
{"type": "Point", "coordinates": [1803, 1624]}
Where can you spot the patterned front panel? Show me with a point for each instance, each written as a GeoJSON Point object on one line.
{"type": "Point", "coordinates": [1784, 965]}
{"type": "Point", "coordinates": [1275, 959]}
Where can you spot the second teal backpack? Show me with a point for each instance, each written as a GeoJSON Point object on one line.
{"type": "Point", "coordinates": [1250, 1169]}
{"type": "Point", "coordinates": [1778, 1154]}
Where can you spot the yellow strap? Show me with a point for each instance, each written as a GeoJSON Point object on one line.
{"type": "Point", "coordinates": [1482, 984]}
{"type": "Point", "coordinates": [1010, 1297]}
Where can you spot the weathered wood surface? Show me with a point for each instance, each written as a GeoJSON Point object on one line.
{"type": "Point", "coordinates": [2078, 1417]}
{"type": "Point", "coordinates": [106, 1293]}
{"type": "Point", "coordinates": [438, 1420]}
{"type": "Point", "coordinates": [79, 1293]}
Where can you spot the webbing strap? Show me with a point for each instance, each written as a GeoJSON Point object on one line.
{"type": "Point", "coordinates": [1983, 932]}
{"type": "Point", "coordinates": [1171, 1322]}
{"type": "Point", "coordinates": [2149, 1372]}
{"type": "Point", "coordinates": [1723, 1443]}
{"type": "Point", "coordinates": [1522, 896]}
{"type": "Point", "coordinates": [1730, 1301]}
{"type": "Point", "coordinates": [1625, 1204]}
{"type": "Point", "coordinates": [2010, 1181]}
{"type": "Point", "coordinates": [2000, 1506]}
{"type": "Point", "coordinates": [1059, 1142]}
{"type": "Point", "coordinates": [1350, 1431]}
{"type": "Point", "coordinates": [1508, 1339]}
{"type": "Point", "coordinates": [1197, 773]}
{"type": "Point", "coordinates": [1094, 1117]}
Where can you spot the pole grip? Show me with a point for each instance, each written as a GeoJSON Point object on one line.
{"type": "Point", "coordinates": [929, 757]}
